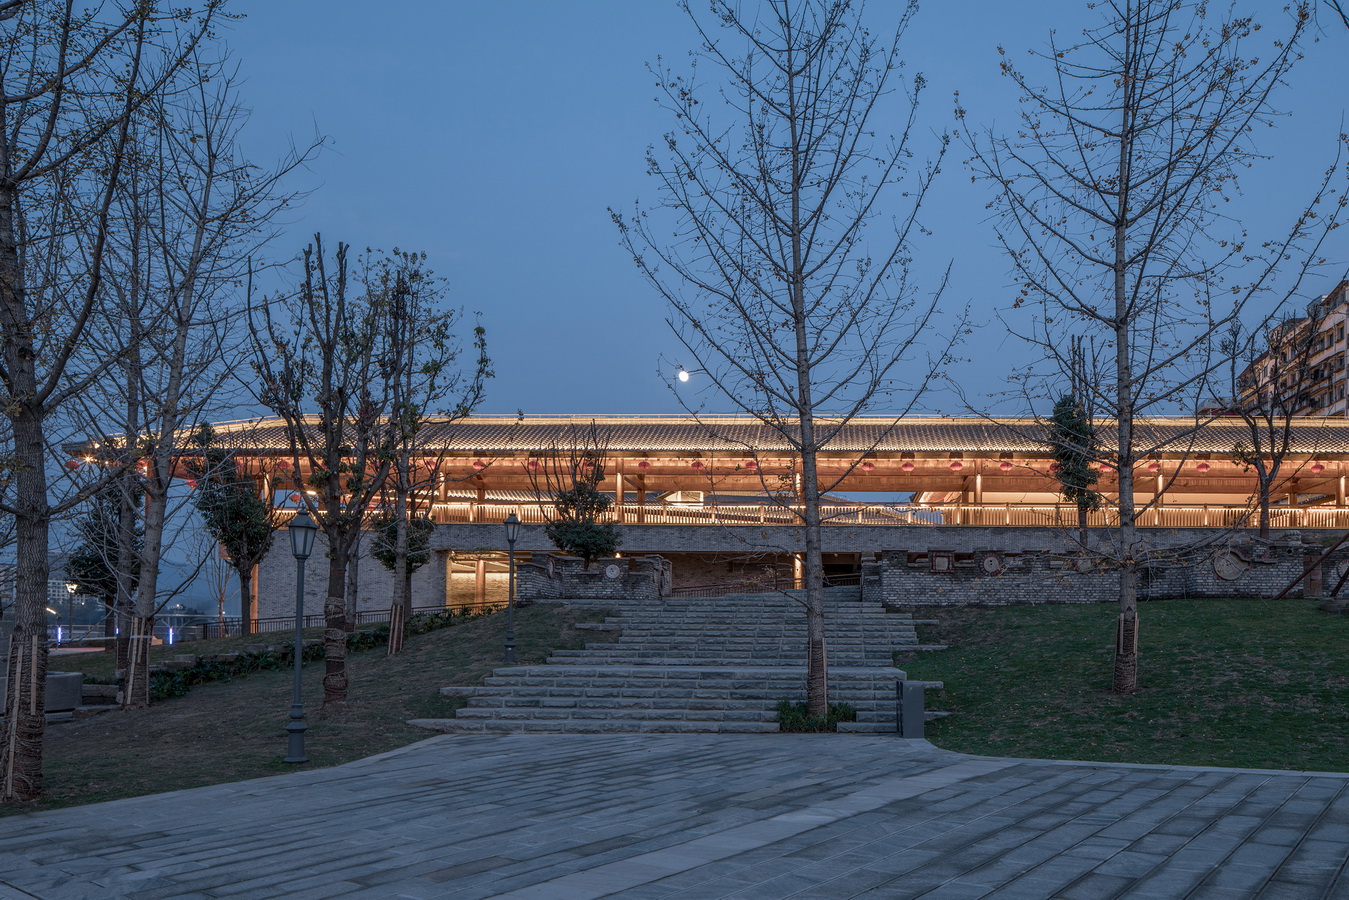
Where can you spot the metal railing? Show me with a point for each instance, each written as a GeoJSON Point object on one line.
{"type": "Point", "coordinates": [979, 514]}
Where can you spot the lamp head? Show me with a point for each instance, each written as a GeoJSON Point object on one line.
{"type": "Point", "coordinates": [302, 531]}
{"type": "Point", "coordinates": [512, 524]}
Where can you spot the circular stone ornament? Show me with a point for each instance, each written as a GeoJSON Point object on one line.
{"type": "Point", "coordinates": [612, 571]}
{"type": "Point", "coordinates": [1228, 566]}
{"type": "Point", "coordinates": [990, 564]}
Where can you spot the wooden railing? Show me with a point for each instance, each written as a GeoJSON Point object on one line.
{"type": "Point", "coordinates": [979, 514]}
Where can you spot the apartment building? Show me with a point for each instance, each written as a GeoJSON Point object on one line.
{"type": "Point", "coordinates": [1303, 370]}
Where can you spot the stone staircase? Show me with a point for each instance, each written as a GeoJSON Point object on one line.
{"type": "Point", "coordinates": [696, 665]}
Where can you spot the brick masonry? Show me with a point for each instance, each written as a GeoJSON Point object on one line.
{"type": "Point", "coordinates": [549, 577]}
{"type": "Point", "coordinates": [1042, 568]}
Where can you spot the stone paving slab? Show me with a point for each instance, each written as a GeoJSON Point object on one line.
{"type": "Point", "coordinates": [566, 817]}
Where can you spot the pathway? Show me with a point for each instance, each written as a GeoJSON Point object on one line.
{"type": "Point", "coordinates": [571, 816]}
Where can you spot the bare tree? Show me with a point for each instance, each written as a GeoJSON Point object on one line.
{"type": "Point", "coordinates": [72, 76]}
{"type": "Point", "coordinates": [779, 293]}
{"type": "Point", "coordinates": [429, 372]}
{"type": "Point", "coordinates": [191, 214]}
{"type": "Point", "coordinates": [328, 368]}
{"type": "Point", "coordinates": [1111, 196]}
{"type": "Point", "coordinates": [1275, 376]}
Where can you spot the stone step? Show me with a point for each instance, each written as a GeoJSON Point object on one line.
{"type": "Point", "coordinates": [541, 713]}
{"type": "Point", "coordinates": [556, 701]}
{"type": "Point", "coordinates": [585, 726]}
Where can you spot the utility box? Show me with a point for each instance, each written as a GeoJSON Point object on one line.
{"type": "Point", "coordinates": [911, 715]}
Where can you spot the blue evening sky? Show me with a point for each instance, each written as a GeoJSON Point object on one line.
{"type": "Point", "coordinates": [493, 135]}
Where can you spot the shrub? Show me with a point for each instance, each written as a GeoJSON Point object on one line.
{"type": "Point", "coordinates": [793, 717]}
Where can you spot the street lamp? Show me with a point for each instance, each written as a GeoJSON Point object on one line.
{"type": "Point", "coordinates": [302, 530]}
{"type": "Point", "coordinates": [512, 524]}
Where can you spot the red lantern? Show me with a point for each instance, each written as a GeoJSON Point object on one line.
{"type": "Point", "coordinates": [1317, 469]}
{"type": "Point", "coordinates": [644, 465]}
{"type": "Point", "coordinates": [907, 467]}
{"type": "Point", "coordinates": [282, 464]}
{"type": "Point", "coordinates": [1154, 467]}
{"type": "Point", "coordinates": [533, 465]}
{"type": "Point", "coordinates": [1202, 468]}
{"type": "Point", "coordinates": [72, 464]}
{"type": "Point", "coordinates": [479, 464]}
{"type": "Point", "coordinates": [751, 465]}
{"type": "Point", "coordinates": [294, 498]}
{"type": "Point", "coordinates": [868, 466]}
{"type": "Point", "coordinates": [696, 464]}
{"type": "Point", "coordinates": [957, 466]}
{"type": "Point", "coordinates": [192, 483]}
{"type": "Point", "coordinates": [1005, 466]}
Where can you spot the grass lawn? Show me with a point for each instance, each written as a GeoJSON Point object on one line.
{"type": "Point", "coordinates": [1245, 683]}
{"type": "Point", "coordinates": [229, 731]}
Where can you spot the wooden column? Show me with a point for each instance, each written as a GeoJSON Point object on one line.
{"type": "Point", "coordinates": [798, 571]}
{"type": "Point", "coordinates": [641, 499]}
{"type": "Point", "coordinates": [480, 582]}
{"type": "Point", "coordinates": [619, 491]}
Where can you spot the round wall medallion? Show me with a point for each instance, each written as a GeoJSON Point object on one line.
{"type": "Point", "coordinates": [990, 564]}
{"type": "Point", "coordinates": [612, 571]}
{"type": "Point", "coordinates": [1228, 566]}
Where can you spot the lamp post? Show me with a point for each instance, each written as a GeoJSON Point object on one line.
{"type": "Point", "coordinates": [512, 524]}
{"type": "Point", "coordinates": [302, 530]}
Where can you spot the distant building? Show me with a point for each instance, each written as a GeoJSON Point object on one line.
{"type": "Point", "coordinates": [1303, 370]}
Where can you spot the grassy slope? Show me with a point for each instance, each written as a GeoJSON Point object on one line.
{"type": "Point", "coordinates": [236, 730]}
{"type": "Point", "coordinates": [1247, 683]}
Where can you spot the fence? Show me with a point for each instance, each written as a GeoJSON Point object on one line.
{"type": "Point", "coordinates": [176, 632]}
{"type": "Point", "coordinates": [978, 514]}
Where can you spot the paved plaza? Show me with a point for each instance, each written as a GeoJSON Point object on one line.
{"type": "Point", "coordinates": [563, 817]}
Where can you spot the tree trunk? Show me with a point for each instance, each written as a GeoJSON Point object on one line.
{"type": "Point", "coordinates": [21, 740]}
{"type": "Point", "coordinates": [25, 696]}
{"type": "Point", "coordinates": [248, 608]}
{"type": "Point", "coordinates": [335, 630]}
{"type": "Point", "coordinates": [136, 677]}
{"type": "Point", "coordinates": [351, 590]}
{"type": "Point", "coordinates": [1125, 677]}
{"type": "Point", "coordinates": [817, 663]}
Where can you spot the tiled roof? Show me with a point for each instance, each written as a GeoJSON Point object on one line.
{"type": "Point", "coordinates": [494, 435]}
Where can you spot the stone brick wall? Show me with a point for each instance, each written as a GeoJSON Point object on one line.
{"type": "Point", "coordinates": [549, 577]}
{"type": "Point", "coordinates": [375, 587]}
{"type": "Point", "coordinates": [999, 575]}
